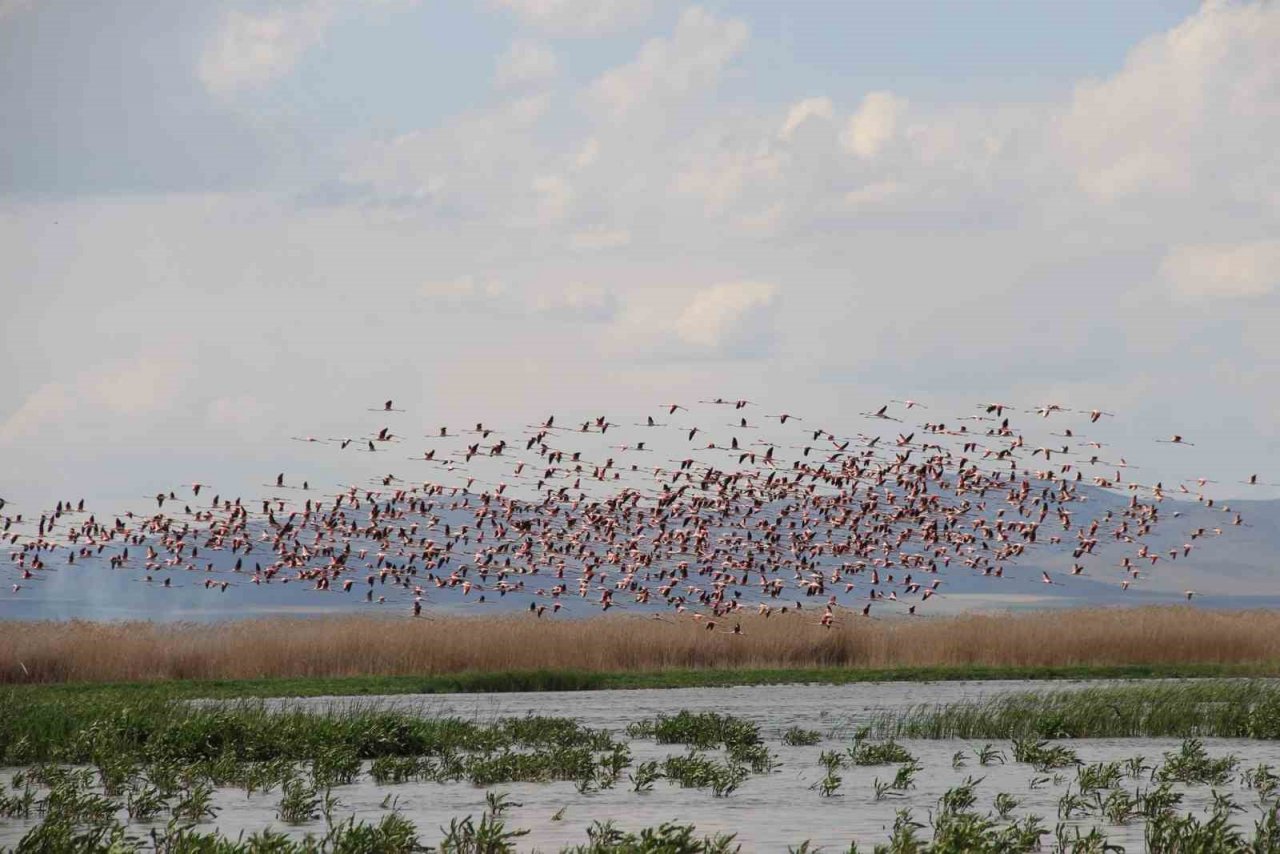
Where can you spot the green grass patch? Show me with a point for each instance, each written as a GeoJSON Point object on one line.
{"type": "Point", "coordinates": [1243, 708]}
{"type": "Point", "coordinates": [570, 680]}
{"type": "Point", "coordinates": [101, 728]}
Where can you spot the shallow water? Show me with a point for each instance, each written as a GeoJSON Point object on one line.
{"type": "Point", "coordinates": [836, 708]}
{"type": "Point", "coordinates": [767, 813]}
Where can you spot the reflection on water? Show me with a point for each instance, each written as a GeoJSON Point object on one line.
{"type": "Point", "coordinates": [767, 813]}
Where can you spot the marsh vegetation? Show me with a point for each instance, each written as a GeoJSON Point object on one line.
{"type": "Point", "coordinates": [108, 773]}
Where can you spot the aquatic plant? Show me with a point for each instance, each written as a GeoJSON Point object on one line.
{"type": "Point", "coordinates": [645, 775]}
{"type": "Point", "coordinates": [17, 805]}
{"type": "Point", "coordinates": [879, 753]}
{"type": "Point", "coordinates": [1098, 775]}
{"type": "Point", "coordinates": [960, 798]}
{"type": "Point", "coordinates": [1005, 804]}
{"type": "Point", "coordinates": [143, 802]}
{"type": "Point", "coordinates": [703, 730]}
{"type": "Point", "coordinates": [299, 802]}
{"type": "Point", "coordinates": [1167, 831]}
{"type": "Point", "coordinates": [1262, 779]}
{"type": "Point", "coordinates": [194, 804]}
{"type": "Point", "coordinates": [989, 754]}
{"type": "Point", "coordinates": [606, 838]}
{"type": "Point", "coordinates": [1226, 708]}
{"type": "Point", "coordinates": [799, 737]}
{"type": "Point", "coordinates": [903, 781]}
{"type": "Point", "coordinates": [1043, 756]}
{"type": "Point", "coordinates": [695, 770]}
{"type": "Point", "coordinates": [388, 770]}
{"type": "Point", "coordinates": [829, 785]}
{"type": "Point", "coordinates": [1193, 765]}
{"type": "Point", "coordinates": [335, 766]}
{"type": "Point", "coordinates": [1119, 807]}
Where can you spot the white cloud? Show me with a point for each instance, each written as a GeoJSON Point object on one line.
{"type": "Point", "coordinates": [718, 177]}
{"type": "Point", "coordinates": [552, 197]}
{"type": "Point", "coordinates": [874, 124]}
{"type": "Point", "coordinates": [472, 165]}
{"type": "Point", "coordinates": [599, 237]}
{"type": "Point", "coordinates": [873, 195]}
{"type": "Point", "coordinates": [588, 154]}
{"type": "Point", "coordinates": [250, 50]}
{"type": "Point", "coordinates": [981, 215]}
{"type": "Point", "coordinates": [577, 300]}
{"type": "Point", "coordinates": [491, 297]}
{"type": "Point", "coordinates": [762, 221]}
{"type": "Point", "coordinates": [526, 63]}
{"type": "Point", "coordinates": [238, 411]}
{"type": "Point", "coordinates": [127, 390]}
{"type": "Point", "coordinates": [1206, 271]}
{"type": "Point", "coordinates": [579, 17]}
{"type": "Point", "coordinates": [139, 387]}
{"type": "Point", "coordinates": [668, 70]}
{"type": "Point", "coordinates": [466, 291]}
{"type": "Point", "coordinates": [802, 111]}
{"type": "Point", "coordinates": [1193, 109]}
{"type": "Point", "coordinates": [14, 7]}
{"type": "Point", "coordinates": [728, 317]}
{"type": "Point", "coordinates": [43, 408]}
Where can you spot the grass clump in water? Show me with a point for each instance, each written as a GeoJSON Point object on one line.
{"type": "Point", "coordinates": [800, 737]}
{"type": "Point", "coordinates": [1263, 780]}
{"type": "Point", "coordinates": [300, 802]}
{"type": "Point", "coordinates": [702, 730]}
{"type": "Point", "coordinates": [1099, 775]}
{"type": "Point", "coordinates": [697, 771]}
{"type": "Point", "coordinates": [879, 753]}
{"type": "Point", "coordinates": [389, 770]}
{"type": "Point", "coordinates": [1043, 756]}
{"type": "Point", "coordinates": [1193, 765]}
{"type": "Point", "coordinates": [1187, 833]}
{"type": "Point", "coordinates": [606, 838]}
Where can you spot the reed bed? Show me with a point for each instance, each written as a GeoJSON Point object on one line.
{"type": "Point", "coordinates": [52, 652]}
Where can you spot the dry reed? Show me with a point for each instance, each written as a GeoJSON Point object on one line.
{"type": "Point", "coordinates": [46, 652]}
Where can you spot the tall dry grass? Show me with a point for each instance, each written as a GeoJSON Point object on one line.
{"type": "Point", "coordinates": [350, 646]}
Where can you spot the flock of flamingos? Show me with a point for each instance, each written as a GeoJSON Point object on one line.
{"type": "Point", "coordinates": [692, 512]}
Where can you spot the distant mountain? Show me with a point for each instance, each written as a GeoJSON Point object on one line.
{"type": "Point", "coordinates": [1238, 569]}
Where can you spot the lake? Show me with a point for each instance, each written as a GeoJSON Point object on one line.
{"type": "Point", "coordinates": [768, 812]}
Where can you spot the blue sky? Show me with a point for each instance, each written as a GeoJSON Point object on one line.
{"type": "Point", "coordinates": [226, 223]}
{"type": "Point", "coordinates": [114, 78]}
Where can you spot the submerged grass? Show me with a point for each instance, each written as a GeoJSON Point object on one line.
{"type": "Point", "coordinates": [106, 731]}
{"type": "Point", "coordinates": [109, 727]}
{"type": "Point", "coordinates": [1243, 708]}
{"type": "Point", "coordinates": [73, 818]}
{"type": "Point", "coordinates": [518, 652]}
{"type": "Point", "coordinates": [163, 761]}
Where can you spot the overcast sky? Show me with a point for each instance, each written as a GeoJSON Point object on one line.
{"type": "Point", "coordinates": [223, 224]}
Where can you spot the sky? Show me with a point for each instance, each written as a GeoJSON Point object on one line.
{"type": "Point", "coordinates": [226, 224]}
